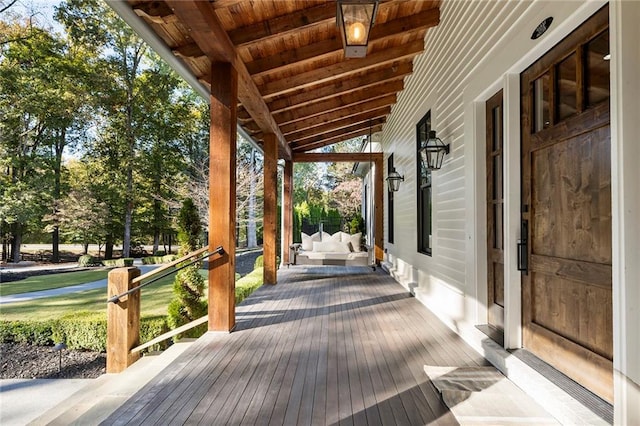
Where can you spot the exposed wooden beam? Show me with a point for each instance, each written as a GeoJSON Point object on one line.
{"type": "Point", "coordinates": [331, 104]}
{"type": "Point", "coordinates": [340, 69]}
{"type": "Point", "coordinates": [319, 137]}
{"type": "Point", "coordinates": [339, 124]}
{"type": "Point", "coordinates": [270, 221]}
{"type": "Point", "coordinates": [283, 24]}
{"type": "Point", "coordinates": [287, 212]}
{"type": "Point", "coordinates": [341, 138]}
{"type": "Point", "coordinates": [336, 157]}
{"type": "Point", "coordinates": [222, 196]}
{"type": "Point", "coordinates": [378, 206]}
{"type": "Point", "coordinates": [156, 12]}
{"type": "Point", "coordinates": [341, 86]}
{"type": "Point", "coordinates": [191, 50]}
{"type": "Point", "coordinates": [312, 52]}
{"type": "Point", "coordinates": [347, 111]}
{"type": "Point", "coordinates": [208, 33]}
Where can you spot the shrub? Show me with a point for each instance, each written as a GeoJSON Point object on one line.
{"type": "Point", "coordinates": [188, 285]}
{"type": "Point", "coordinates": [87, 260]}
{"type": "Point", "coordinates": [153, 260]}
{"type": "Point", "coordinates": [249, 283]}
{"type": "Point", "coordinates": [159, 253]}
{"type": "Point", "coordinates": [33, 332]}
{"type": "Point", "coordinates": [118, 263]}
{"type": "Point", "coordinates": [80, 331]}
{"type": "Point", "coordinates": [259, 263]}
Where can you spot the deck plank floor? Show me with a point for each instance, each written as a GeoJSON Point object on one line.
{"type": "Point", "coordinates": [327, 345]}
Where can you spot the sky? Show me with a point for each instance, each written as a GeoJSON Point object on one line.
{"type": "Point", "coordinates": [41, 10]}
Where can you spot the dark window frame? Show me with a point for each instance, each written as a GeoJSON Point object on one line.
{"type": "Point", "coordinates": [390, 213]}
{"type": "Point", "coordinates": [424, 191]}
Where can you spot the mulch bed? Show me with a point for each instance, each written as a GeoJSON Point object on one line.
{"type": "Point", "coordinates": [23, 361]}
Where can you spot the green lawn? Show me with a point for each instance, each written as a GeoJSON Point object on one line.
{"type": "Point", "coordinates": [155, 299]}
{"type": "Point", "coordinates": [47, 282]}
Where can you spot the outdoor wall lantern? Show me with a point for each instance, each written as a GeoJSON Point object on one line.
{"type": "Point", "coordinates": [393, 180]}
{"type": "Point", "coordinates": [355, 19]}
{"type": "Point", "coordinates": [433, 152]}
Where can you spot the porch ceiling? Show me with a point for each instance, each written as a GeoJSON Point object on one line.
{"type": "Point", "coordinates": [293, 78]}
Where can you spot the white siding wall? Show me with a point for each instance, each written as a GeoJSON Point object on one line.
{"type": "Point", "coordinates": [478, 48]}
{"type": "Point", "coordinates": [466, 34]}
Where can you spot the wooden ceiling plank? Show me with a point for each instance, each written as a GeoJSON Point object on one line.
{"type": "Point", "coordinates": [283, 24]}
{"type": "Point", "coordinates": [339, 124]}
{"type": "Point", "coordinates": [338, 139]}
{"type": "Point", "coordinates": [340, 69]}
{"type": "Point", "coordinates": [156, 12]}
{"type": "Point", "coordinates": [191, 50]}
{"type": "Point", "coordinates": [347, 111]}
{"type": "Point", "coordinates": [208, 33]}
{"type": "Point", "coordinates": [418, 22]}
{"type": "Point", "coordinates": [321, 136]}
{"type": "Point", "coordinates": [388, 89]}
{"type": "Point", "coordinates": [336, 157]}
{"type": "Point", "coordinates": [342, 86]}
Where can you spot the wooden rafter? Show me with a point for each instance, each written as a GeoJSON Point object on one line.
{"type": "Point", "coordinates": [312, 52]}
{"type": "Point", "coordinates": [293, 79]}
{"type": "Point", "coordinates": [340, 69]}
{"type": "Point", "coordinates": [338, 102]}
{"type": "Point", "coordinates": [340, 138]}
{"type": "Point", "coordinates": [208, 33]}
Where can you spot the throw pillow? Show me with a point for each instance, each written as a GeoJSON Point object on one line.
{"type": "Point", "coordinates": [355, 240]}
{"type": "Point", "coordinates": [307, 242]}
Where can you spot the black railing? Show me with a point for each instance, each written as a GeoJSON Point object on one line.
{"type": "Point", "coordinates": [116, 298]}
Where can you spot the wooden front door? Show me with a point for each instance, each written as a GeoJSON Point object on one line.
{"type": "Point", "coordinates": [566, 197]}
{"type": "Point", "coordinates": [495, 214]}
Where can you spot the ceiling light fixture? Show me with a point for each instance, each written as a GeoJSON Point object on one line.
{"type": "Point", "coordinates": [355, 19]}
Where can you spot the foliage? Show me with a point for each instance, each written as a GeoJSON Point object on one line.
{"type": "Point", "coordinates": [87, 260]}
{"type": "Point", "coordinates": [118, 263]}
{"type": "Point", "coordinates": [156, 260]}
{"type": "Point", "coordinates": [356, 224]}
{"type": "Point", "coordinates": [259, 263]}
{"type": "Point", "coordinates": [188, 286]}
{"type": "Point", "coordinates": [249, 283]}
{"type": "Point", "coordinates": [80, 331]}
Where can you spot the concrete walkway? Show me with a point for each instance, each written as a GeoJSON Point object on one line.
{"type": "Point", "coordinates": [23, 400]}
{"type": "Point", "coordinates": [22, 297]}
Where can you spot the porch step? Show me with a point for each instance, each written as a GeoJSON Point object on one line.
{"type": "Point", "coordinates": [104, 395]}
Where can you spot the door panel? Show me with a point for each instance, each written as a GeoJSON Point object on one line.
{"type": "Point", "coordinates": [495, 214]}
{"type": "Point", "coordinates": [566, 196]}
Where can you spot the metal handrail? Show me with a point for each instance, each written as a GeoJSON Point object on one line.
{"type": "Point", "coordinates": [116, 298]}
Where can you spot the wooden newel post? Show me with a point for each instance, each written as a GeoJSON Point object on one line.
{"type": "Point", "coordinates": [123, 320]}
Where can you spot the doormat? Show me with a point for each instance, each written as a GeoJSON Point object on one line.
{"type": "Point", "coordinates": [483, 395]}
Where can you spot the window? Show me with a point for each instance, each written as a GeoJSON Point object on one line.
{"type": "Point", "coordinates": [390, 168]}
{"type": "Point", "coordinates": [424, 188]}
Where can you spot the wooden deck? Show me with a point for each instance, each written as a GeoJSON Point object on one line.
{"type": "Point", "coordinates": [341, 345]}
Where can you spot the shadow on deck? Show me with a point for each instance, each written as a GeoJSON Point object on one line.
{"type": "Point", "coordinates": [324, 346]}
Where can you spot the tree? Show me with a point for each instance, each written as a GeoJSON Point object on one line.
{"type": "Point", "coordinates": [93, 23]}
{"type": "Point", "coordinates": [188, 286]}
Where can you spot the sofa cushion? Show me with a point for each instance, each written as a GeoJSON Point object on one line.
{"type": "Point", "coordinates": [354, 241]}
{"type": "Point", "coordinates": [307, 240]}
{"type": "Point", "coordinates": [330, 247]}
{"type": "Point", "coordinates": [336, 237]}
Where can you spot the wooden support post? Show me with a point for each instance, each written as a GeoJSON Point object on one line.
{"type": "Point", "coordinates": [287, 211]}
{"type": "Point", "coordinates": [222, 196]}
{"type": "Point", "coordinates": [123, 320]}
{"type": "Point", "coordinates": [270, 222]}
{"type": "Point", "coordinates": [378, 185]}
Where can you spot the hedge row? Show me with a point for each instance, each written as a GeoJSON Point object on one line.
{"type": "Point", "coordinates": [153, 260]}
{"type": "Point", "coordinates": [118, 263]}
{"type": "Point", "coordinates": [80, 331]}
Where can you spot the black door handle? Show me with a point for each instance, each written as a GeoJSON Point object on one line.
{"type": "Point", "coordinates": [523, 248]}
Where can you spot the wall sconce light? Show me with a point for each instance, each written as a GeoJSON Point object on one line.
{"type": "Point", "coordinates": [433, 152]}
{"type": "Point", "coordinates": [355, 19]}
{"type": "Point", "coordinates": [393, 180]}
